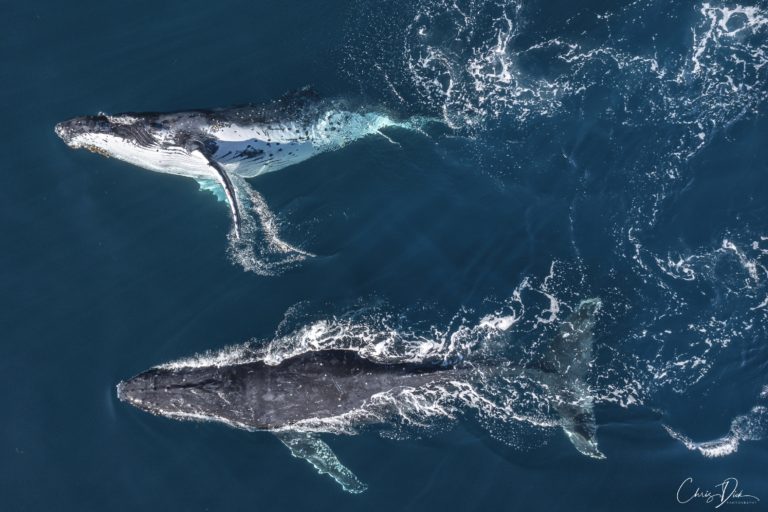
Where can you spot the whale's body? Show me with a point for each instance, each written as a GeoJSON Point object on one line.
{"type": "Point", "coordinates": [313, 388]}
{"type": "Point", "coordinates": [226, 145]}
{"type": "Point", "coordinates": [259, 396]}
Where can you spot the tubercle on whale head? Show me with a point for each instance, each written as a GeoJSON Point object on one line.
{"type": "Point", "coordinates": [70, 131]}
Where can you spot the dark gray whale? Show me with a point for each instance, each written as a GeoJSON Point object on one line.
{"type": "Point", "coordinates": [258, 396]}
{"type": "Point", "coordinates": [288, 397]}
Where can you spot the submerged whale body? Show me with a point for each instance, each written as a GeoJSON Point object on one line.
{"type": "Point", "coordinates": [225, 146]}
{"type": "Point", "coordinates": [291, 398]}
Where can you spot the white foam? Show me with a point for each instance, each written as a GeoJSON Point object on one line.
{"type": "Point", "coordinates": [754, 268]}
{"type": "Point", "coordinates": [717, 27]}
{"type": "Point", "coordinates": [471, 84]}
{"type": "Point", "coordinates": [460, 59]}
{"type": "Point", "coordinates": [260, 247]}
{"type": "Point", "coordinates": [502, 323]}
{"type": "Point", "coordinates": [752, 426]}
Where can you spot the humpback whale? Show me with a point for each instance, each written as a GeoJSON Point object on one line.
{"type": "Point", "coordinates": [224, 146]}
{"type": "Point", "coordinates": [294, 398]}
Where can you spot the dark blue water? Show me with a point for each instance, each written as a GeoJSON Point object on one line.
{"type": "Point", "coordinates": [588, 149]}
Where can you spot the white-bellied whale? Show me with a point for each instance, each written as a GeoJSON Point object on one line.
{"type": "Point", "coordinates": [226, 146]}
{"type": "Point", "coordinates": [296, 397]}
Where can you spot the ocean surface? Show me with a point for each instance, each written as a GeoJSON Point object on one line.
{"type": "Point", "coordinates": [592, 149]}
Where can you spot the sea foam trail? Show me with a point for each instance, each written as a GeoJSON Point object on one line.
{"type": "Point", "coordinates": [259, 247]}
{"type": "Point", "coordinates": [752, 426]}
{"type": "Point", "coordinates": [464, 60]}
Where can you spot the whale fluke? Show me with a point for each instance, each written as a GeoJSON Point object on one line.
{"type": "Point", "coordinates": [564, 369]}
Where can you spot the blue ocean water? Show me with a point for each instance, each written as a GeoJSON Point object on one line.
{"type": "Point", "coordinates": [587, 149]}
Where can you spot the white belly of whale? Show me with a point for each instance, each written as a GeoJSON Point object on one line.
{"type": "Point", "coordinates": [168, 159]}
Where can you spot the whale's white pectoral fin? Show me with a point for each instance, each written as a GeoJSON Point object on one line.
{"type": "Point", "coordinates": [318, 453]}
{"type": "Point", "coordinates": [229, 190]}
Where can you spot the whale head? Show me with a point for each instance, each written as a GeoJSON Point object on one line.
{"type": "Point", "coordinates": [149, 140]}
{"type": "Point", "coordinates": [104, 134]}
{"type": "Point", "coordinates": [194, 394]}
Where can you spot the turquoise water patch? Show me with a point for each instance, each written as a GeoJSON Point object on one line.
{"type": "Point", "coordinates": [214, 187]}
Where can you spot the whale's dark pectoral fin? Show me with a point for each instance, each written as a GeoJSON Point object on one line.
{"type": "Point", "coordinates": [565, 367]}
{"type": "Point", "coordinates": [316, 452]}
{"type": "Point", "coordinates": [229, 189]}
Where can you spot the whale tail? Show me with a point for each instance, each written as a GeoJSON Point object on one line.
{"type": "Point", "coordinates": [564, 369]}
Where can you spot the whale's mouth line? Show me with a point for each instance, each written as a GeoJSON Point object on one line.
{"type": "Point", "coordinates": [96, 149]}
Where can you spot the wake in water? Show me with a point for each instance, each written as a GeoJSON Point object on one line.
{"type": "Point", "coordinates": [258, 247]}
{"type": "Point", "coordinates": [752, 426]}
{"type": "Point", "coordinates": [656, 84]}
{"type": "Point", "coordinates": [473, 61]}
{"type": "Point", "coordinates": [489, 70]}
